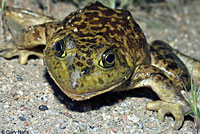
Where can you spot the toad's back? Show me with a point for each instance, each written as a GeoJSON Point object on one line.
{"type": "Point", "coordinates": [95, 25]}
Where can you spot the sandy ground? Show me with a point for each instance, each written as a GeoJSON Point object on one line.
{"type": "Point", "coordinates": [30, 102]}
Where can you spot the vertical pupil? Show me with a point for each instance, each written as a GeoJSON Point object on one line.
{"type": "Point", "coordinates": [110, 58]}
{"type": "Point", "coordinates": [59, 46]}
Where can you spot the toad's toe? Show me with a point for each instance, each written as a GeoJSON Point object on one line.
{"type": "Point", "coordinates": [165, 107]}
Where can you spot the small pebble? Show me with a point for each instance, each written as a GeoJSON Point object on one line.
{"type": "Point", "coordinates": [43, 98]}
{"type": "Point", "coordinates": [15, 96]}
{"type": "Point", "coordinates": [26, 123]}
{"type": "Point", "coordinates": [112, 123]}
{"type": "Point", "coordinates": [123, 104]}
{"type": "Point", "coordinates": [11, 118]}
{"type": "Point", "coordinates": [22, 118]}
{"type": "Point", "coordinates": [49, 112]}
{"type": "Point", "coordinates": [140, 126]}
{"type": "Point", "coordinates": [20, 92]}
{"type": "Point", "coordinates": [130, 107]}
{"type": "Point", "coordinates": [19, 78]}
{"type": "Point", "coordinates": [10, 66]}
{"type": "Point", "coordinates": [75, 122]}
{"type": "Point", "coordinates": [92, 128]}
{"type": "Point", "coordinates": [62, 127]}
{"type": "Point", "coordinates": [43, 107]}
{"type": "Point", "coordinates": [133, 118]}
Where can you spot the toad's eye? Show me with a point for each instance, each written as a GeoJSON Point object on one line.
{"type": "Point", "coordinates": [60, 49]}
{"type": "Point", "coordinates": [108, 59]}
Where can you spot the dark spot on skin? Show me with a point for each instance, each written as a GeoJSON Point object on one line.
{"type": "Point", "coordinates": [161, 75]}
{"type": "Point", "coordinates": [56, 64]}
{"type": "Point", "coordinates": [172, 66]}
{"type": "Point", "coordinates": [137, 29]}
{"type": "Point", "coordinates": [94, 81]}
{"type": "Point", "coordinates": [81, 34]}
{"type": "Point", "coordinates": [108, 12]}
{"type": "Point", "coordinates": [79, 64]}
{"type": "Point", "coordinates": [100, 81]}
{"type": "Point", "coordinates": [85, 71]}
{"type": "Point", "coordinates": [82, 85]}
{"type": "Point", "coordinates": [76, 19]}
{"type": "Point", "coordinates": [152, 49]}
{"type": "Point", "coordinates": [36, 34]}
{"type": "Point", "coordinates": [89, 40]}
{"type": "Point", "coordinates": [89, 52]}
{"type": "Point", "coordinates": [167, 86]}
{"type": "Point", "coordinates": [83, 46]}
{"type": "Point", "coordinates": [154, 69]}
{"type": "Point", "coordinates": [90, 17]}
{"type": "Point", "coordinates": [82, 26]}
{"type": "Point", "coordinates": [122, 60]}
{"type": "Point", "coordinates": [71, 67]}
{"type": "Point", "coordinates": [145, 67]}
{"type": "Point", "coordinates": [139, 78]}
{"type": "Point", "coordinates": [169, 56]}
{"type": "Point", "coordinates": [91, 14]}
{"type": "Point", "coordinates": [82, 51]}
{"type": "Point", "coordinates": [158, 78]}
{"type": "Point", "coordinates": [171, 82]}
{"type": "Point", "coordinates": [99, 33]}
{"type": "Point", "coordinates": [47, 26]}
{"type": "Point", "coordinates": [96, 28]}
{"type": "Point", "coordinates": [159, 57]}
{"type": "Point", "coordinates": [156, 54]}
{"type": "Point", "coordinates": [61, 33]}
{"type": "Point", "coordinates": [98, 46]}
{"type": "Point", "coordinates": [102, 20]}
{"type": "Point", "coordinates": [184, 76]}
{"type": "Point", "coordinates": [89, 61]}
{"type": "Point", "coordinates": [92, 69]}
{"type": "Point", "coordinates": [160, 45]}
{"type": "Point", "coordinates": [76, 86]}
{"type": "Point", "coordinates": [92, 46]}
{"type": "Point", "coordinates": [60, 30]}
{"type": "Point", "coordinates": [78, 56]}
{"type": "Point", "coordinates": [82, 58]}
{"type": "Point", "coordinates": [88, 44]}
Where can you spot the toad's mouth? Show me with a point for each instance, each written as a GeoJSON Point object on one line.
{"type": "Point", "coordinates": [88, 95]}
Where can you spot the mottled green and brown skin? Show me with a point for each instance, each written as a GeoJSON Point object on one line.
{"type": "Point", "coordinates": [97, 49]}
{"type": "Point", "coordinates": [90, 32]}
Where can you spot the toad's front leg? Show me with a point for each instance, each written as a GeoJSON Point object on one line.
{"type": "Point", "coordinates": [171, 101]}
{"type": "Point", "coordinates": [29, 30]}
{"type": "Point", "coordinates": [30, 41]}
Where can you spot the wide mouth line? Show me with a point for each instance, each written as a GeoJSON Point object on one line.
{"type": "Point", "coordinates": [89, 95]}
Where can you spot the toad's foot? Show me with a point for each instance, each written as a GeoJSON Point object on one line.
{"type": "Point", "coordinates": [171, 99]}
{"type": "Point", "coordinates": [164, 108]}
{"type": "Point", "coordinates": [11, 51]}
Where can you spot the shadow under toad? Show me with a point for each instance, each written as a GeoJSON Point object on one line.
{"type": "Point", "coordinates": [106, 99]}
